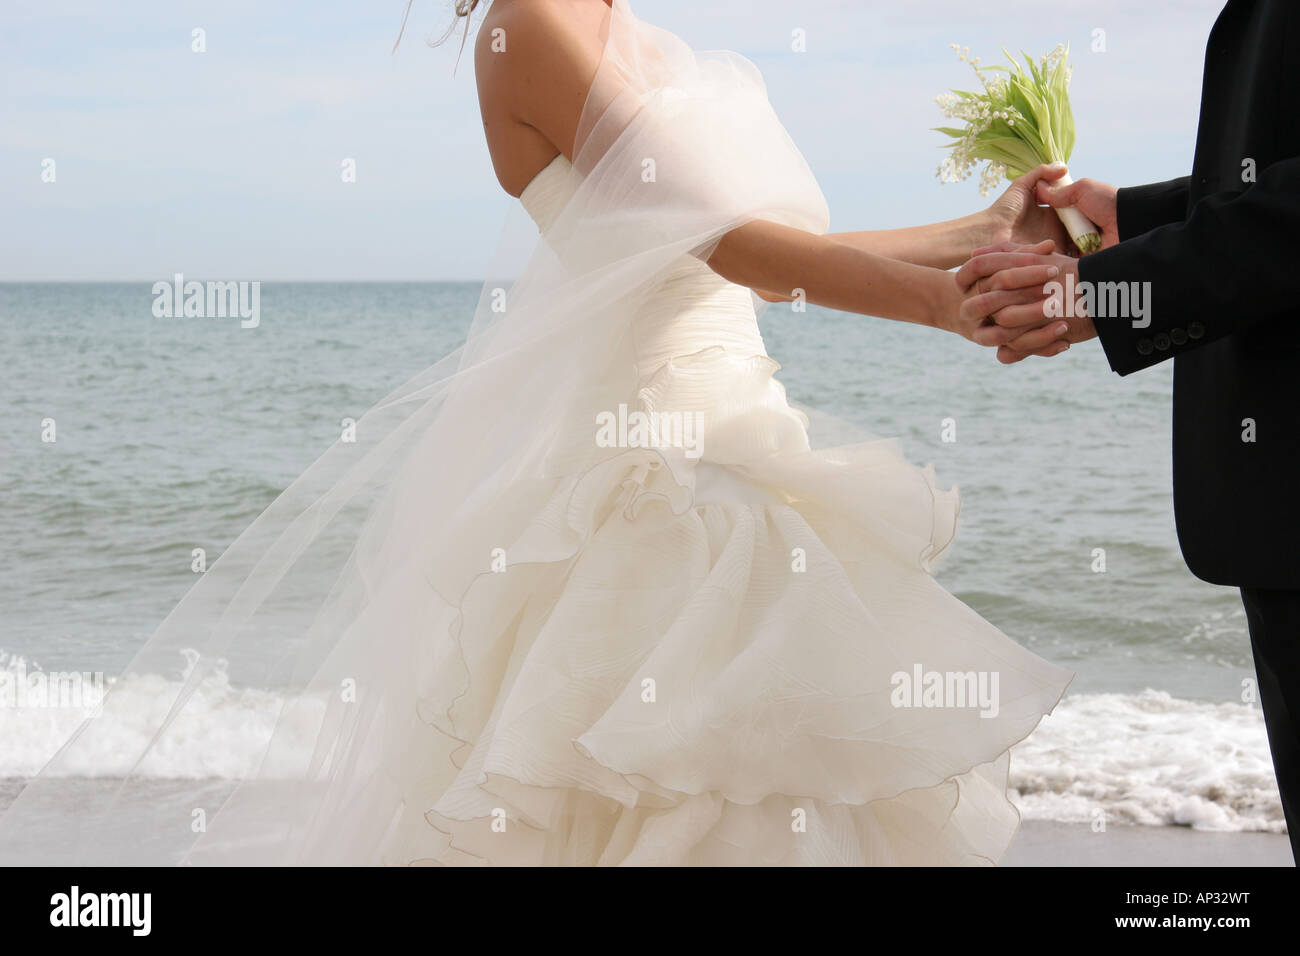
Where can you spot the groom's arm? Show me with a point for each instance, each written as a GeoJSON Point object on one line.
{"type": "Point", "coordinates": [1143, 208]}
{"type": "Point", "coordinates": [1229, 265]}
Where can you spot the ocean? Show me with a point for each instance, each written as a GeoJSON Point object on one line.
{"type": "Point", "coordinates": [173, 433]}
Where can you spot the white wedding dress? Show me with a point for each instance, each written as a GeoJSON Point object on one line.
{"type": "Point", "coordinates": [771, 687]}
{"type": "Point", "coordinates": [533, 648]}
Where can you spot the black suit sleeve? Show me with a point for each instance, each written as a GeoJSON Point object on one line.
{"type": "Point", "coordinates": [1229, 265]}
{"type": "Point", "coordinates": [1143, 208]}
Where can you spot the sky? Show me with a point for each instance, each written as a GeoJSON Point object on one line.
{"type": "Point", "coordinates": [227, 163]}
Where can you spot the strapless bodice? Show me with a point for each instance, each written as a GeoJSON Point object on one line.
{"type": "Point", "coordinates": [690, 309]}
{"type": "Point", "coordinates": [546, 193]}
{"type": "Point", "coordinates": [697, 345]}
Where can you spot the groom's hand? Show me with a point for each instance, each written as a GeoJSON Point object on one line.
{"type": "Point", "coordinates": [1095, 200]}
{"type": "Point", "coordinates": [1052, 308]}
{"type": "Point", "coordinates": [1002, 277]}
{"type": "Point", "coordinates": [1034, 322]}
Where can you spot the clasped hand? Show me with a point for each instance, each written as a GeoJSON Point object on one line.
{"type": "Point", "coordinates": [1013, 295]}
{"type": "Point", "coordinates": [1014, 301]}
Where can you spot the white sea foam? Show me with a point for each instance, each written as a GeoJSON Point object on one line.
{"type": "Point", "coordinates": [1149, 759]}
{"type": "Point", "coordinates": [221, 732]}
{"type": "Point", "coordinates": [1128, 759]}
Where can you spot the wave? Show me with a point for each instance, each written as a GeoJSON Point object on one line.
{"type": "Point", "coordinates": [1148, 759]}
{"type": "Point", "coordinates": [221, 738]}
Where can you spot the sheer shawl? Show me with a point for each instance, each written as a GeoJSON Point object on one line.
{"type": "Point", "coordinates": [349, 601]}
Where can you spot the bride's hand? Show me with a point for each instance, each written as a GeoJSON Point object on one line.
{"type": "Point", "coordinates": [1044, 326]}
{"type": "Point", "coordinates": [1017, 218]}
{"type": "Point", "coordinates": [1000, 276]}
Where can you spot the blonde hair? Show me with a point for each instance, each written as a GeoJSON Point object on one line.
{"type": "Point", "coordinates": [464, 8]}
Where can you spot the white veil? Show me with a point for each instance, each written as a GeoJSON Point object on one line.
{"type": "Point", "coordinates": [364, 597]}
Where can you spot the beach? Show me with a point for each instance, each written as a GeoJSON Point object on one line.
{"type": "Point", "coordinates": [173, 434]}
{"type": "Point", "coordinates": [1045, 843]}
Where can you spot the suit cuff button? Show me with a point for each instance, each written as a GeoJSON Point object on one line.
{"type": "Point", "coordinates": [1145, 347]}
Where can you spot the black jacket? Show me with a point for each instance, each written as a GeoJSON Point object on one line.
{"type": "Point", "coordinates": [1222, 254]}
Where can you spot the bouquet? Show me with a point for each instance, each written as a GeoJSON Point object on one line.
{"type": "Point", "coordinates": [1015, 123]}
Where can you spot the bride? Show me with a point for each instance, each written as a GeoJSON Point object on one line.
{"type": "Point", "coordinates": [585, 592]}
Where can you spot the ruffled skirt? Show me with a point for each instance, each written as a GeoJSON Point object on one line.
{"type": "Point", "coordinates": [701, 663]}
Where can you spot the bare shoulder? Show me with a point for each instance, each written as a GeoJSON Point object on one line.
{"type": "Point", "coordinates": [535, 21]}
{"type": "Point", "coordinates": [534, 61]}
{"type": "Point", "coordinates": [524, 44]}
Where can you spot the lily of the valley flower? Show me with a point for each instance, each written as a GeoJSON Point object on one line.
{"type": "Point", "coordinates": [1013, 124]}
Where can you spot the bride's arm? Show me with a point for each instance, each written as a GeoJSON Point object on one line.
{"type": "Point", "coordinates": [1015, 217]}
{"type": "Point", "coordinates": [546, 78]}
{"type": "Point", "coordinates": [780, 262]}
{"type": "Point", "coordinates": [941, 245]}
